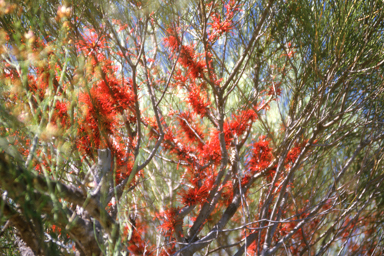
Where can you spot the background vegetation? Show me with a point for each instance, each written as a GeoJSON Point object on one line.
{"type": "Point", "coordinates": [191, 127]}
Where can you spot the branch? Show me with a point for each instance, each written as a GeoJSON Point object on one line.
{"type": "Point", "coordinates": [26, 232]}
{"type": "Point", "coordinates": [81, 230]}
{"type": "Point", "coordinates": [250, 44]}
{"type": "Point", "coordinates": [10, 181]}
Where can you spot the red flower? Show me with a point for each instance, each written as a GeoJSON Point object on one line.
{"type": "Point", "coordinates": [211, 150]}
{"type": "Point", "coordinates": [274, 90]}
{"type": "Point", "coordinates": [194, 196]}
{"type": "Point", "coordinates": [56, 229]}
{"type": "Point", "coordinates": [92, 42]}
{"type": "Point", "coordinates": [191, 129]}
{"type": "Point", "coordinates": [187, 58]}
{"type": "Point", "coordinates": [239, 124]}
{"type": "Point", "coordinates": [198, 100]}
{"type": "Point", "coordinates": [172, 41]}
{"type": "Point", "coordinates": [220, 26]}
{"type": "Point", "coordinates": [169, 217]}
{"type": "Point", "coordinates": [294, 153]}
{"type": "Point", "coordinates": [227, 193]}
{"type": "Point", "coordinates": [137, 243]}
{"type": "Point", "coordinates": [261, 155]}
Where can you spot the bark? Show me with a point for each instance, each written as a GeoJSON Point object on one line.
{"type": "Point", "coordinates": [15, 181]}
{"type": "Point", "coordinates": [26, 239]}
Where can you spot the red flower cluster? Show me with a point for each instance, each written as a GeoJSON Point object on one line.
{"type": "Point", "coordinates": [190, 128]}
{"type": "Point", "coordinates": [187, 58]}
{"type": "Point", "coordinates": [172, 41]}
{"type": "Point", "coordinates": [60, 115]}
{"type": "Point", "coordinates": [220, 27]}
{"type": "Point", "coordinates": [169, 219]}
{"type": "Point", "coordinates": [92, 43]}
{"type": "Point", "coordinates": [211, 150]}
{"type": "Point", "coordinates": [239, 124]}
{"type": "Point", "coordinates": [194, 196]}
{"type": "Point", "coordinates": [227, 193]}
{"type": "Point", "coordinates": [103, 104]}
{"type": "Point", "coordinates": [137, 245]}
{"type": "Point", "coordinates": [275, 89]}
{"type": "Point", "coordinates": [56, 229]}
{"type": "Point", "coordinates": [198, 100]}
{"type": "Point", "coordinates": [294, 153]}
{"type": "Point", "coordinates": [261, 155]}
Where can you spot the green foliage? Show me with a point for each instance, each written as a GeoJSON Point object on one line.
{"type": "Point", "coordinates": [233, 125]}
